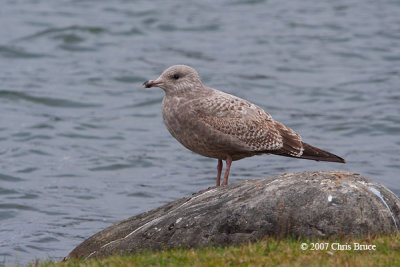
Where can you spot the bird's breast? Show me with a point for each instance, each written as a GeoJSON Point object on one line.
{"type": "Point", "coordinates": [180, 120]}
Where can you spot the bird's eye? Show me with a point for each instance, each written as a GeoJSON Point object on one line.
{"type": "Point", "coordinates": [176, 76]}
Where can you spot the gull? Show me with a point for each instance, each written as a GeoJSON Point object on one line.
{"type": "Point", "coordinates": [218, 125]}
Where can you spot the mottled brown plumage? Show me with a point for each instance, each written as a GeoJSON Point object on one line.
{"type": "Point", "coordinates": [222, 126]}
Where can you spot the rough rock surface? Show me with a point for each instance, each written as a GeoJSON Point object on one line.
{"type": "Point", "coordinates": [310, 204]}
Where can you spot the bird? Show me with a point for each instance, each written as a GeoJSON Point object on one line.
{"type": "Point", "coordinates": [219, 125]}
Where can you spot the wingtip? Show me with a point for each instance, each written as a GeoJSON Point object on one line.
{"type": "Point", "coordinates": [314, 153]}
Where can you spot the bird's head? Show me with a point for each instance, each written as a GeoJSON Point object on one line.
{"type": "Point", "coordinates": [177, 78]}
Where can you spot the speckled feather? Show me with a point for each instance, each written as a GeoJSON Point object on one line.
{"type": "Point", "coordinates": [240, 119]}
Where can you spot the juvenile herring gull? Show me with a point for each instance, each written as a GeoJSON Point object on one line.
{"type": "Point", "coordinates": [218, 125]}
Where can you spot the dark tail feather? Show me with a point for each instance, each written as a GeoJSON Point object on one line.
{"type": "Point", "coordinates": [311, 152]}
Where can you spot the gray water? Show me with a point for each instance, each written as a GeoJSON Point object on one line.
{"type": "Point", "coordinates": [82, 145]}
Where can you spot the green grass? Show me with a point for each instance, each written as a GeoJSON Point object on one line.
{"type": "Point", "coordinates": [269, 252]}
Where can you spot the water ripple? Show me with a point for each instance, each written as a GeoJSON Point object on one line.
{"type": "Point", "coordinates": [14, 52]}
{"type": "Point", "coordinates": [9, 178]}
{"type": "Point", "coordinates": [191, 54]}
{"type": "Point", "coordinates": [55, 32]}
{"type": "Point", "coordinates": [47, 101]}
{"type": "Point", "coordinates": [204, 28]}
{"type": "Point", "coordinates": [14, 206]}
{"type": "Point", "coordinates": [149, 102]}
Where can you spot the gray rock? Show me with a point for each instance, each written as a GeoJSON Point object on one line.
{"type": "Point", "coordinates": [309, 204]}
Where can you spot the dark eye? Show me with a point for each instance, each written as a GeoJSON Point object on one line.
{"type": "Point", "coordinates": [176, 76]}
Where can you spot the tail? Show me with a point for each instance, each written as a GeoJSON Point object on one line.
{"type": "Point", "coordinates": [314, 153]}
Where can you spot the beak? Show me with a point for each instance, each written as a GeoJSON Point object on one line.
{"type": "Point", "coordinates": [150, 83]}
{"type": "Point", "coordinates": [147, 84]}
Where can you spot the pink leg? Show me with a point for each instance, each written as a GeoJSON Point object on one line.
{"type": "Point", "coordinates": [227, 169]}
{"type": "Point", "coordinates": [219, 167]}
